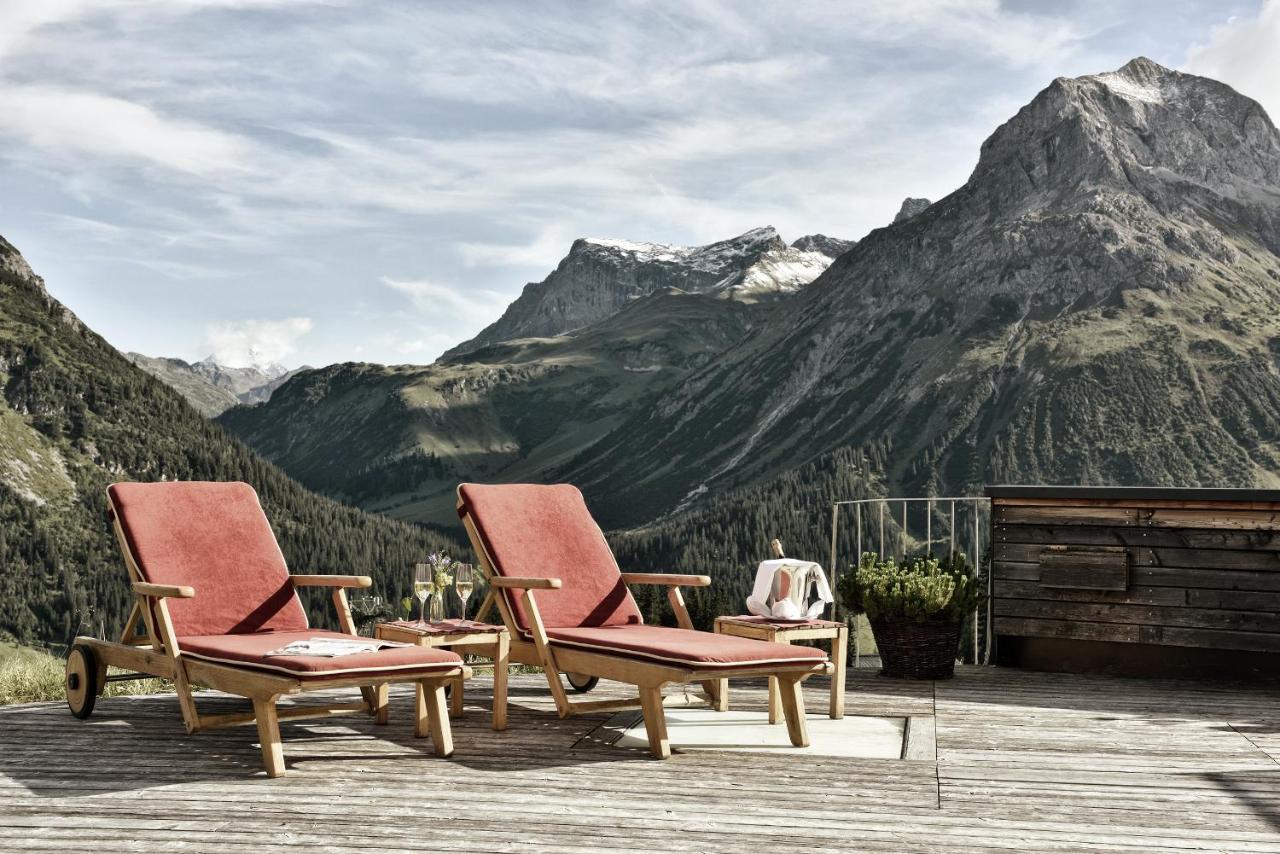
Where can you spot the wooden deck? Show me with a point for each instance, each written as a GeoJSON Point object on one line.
{"type": "Point", "coordinates": [1025, 762]}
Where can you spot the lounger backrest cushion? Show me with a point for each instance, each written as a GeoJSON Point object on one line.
{"type": "Point", "coordinates": [215, 538]}
{"type": "Point", "coordinates": [539, 531]}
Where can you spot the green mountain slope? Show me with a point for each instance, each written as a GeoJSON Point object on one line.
{"type": "Point", "coordinates": [76, 415]}
{"type": "Point", "coordinates": [398, 439]}
{"type": "Point", "coordinates": [1099, 303]}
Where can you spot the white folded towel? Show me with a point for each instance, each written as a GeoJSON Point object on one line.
{"type": "Point", "coordinates": [791, 605]}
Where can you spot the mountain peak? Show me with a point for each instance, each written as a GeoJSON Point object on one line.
{"type": "Point", "coordinates": [601, 275]}
{"type": "Point", "coordinates": [832, 247]}
{"type": "Point", "coordinates": [656, 251]}
{"type": "Point", "coordinates": [1139, 79]}
{"type": "Point", "coordinates": [11, 261]}
{"type": "Point", "coordinates": [1142, 124]}
{"type": "Point", "coordinates": [911, 207]}
{"type": "Point", "coordinates": [1141, 68]}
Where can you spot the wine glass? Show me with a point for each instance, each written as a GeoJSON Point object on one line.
{"type": "Point", "coordinates": [422, 584]}
{"type": "Point", "coordinates": [463, 582]}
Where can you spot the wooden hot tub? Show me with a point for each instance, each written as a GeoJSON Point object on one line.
{"type": "Point", "coordinates": [1140, 581]}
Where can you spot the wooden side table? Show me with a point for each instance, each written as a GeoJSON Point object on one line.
{"type": "Point", "coordinates": [494, 642]}
{"type": "Point", "coordinates": [760, 628]}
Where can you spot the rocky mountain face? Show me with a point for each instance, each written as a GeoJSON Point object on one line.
{"type": "Point", "coordinates": [832, 247]}
{"type": "Point", "coordinates": [1099, 303]}
{"type": "Point", "coordinates": [213, 388]}
{"type": "Point", "coordinates": [600, 276]}
{"type": "Point", "coordinates": [911, 207]}
{"type": "Point", "coordinates": [76, 415]}
{"type": "Point", "coordinates": [398, 439]}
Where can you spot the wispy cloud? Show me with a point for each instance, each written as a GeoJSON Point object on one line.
{"type": "Point", "coordinates": [1243, 52]}
{"type": "Point", "coordinates": [73, 124]}
{"type": "Point", "coordinates": [468, 307]}
{"type": "Point", "coordinates": [308, 147]}
{"type": "Point", "coordinates": [256, 342]}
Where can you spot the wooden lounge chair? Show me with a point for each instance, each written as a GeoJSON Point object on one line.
{"type": "Point", "coordinates": [214, 596]}
{"type": "Point", "coordinates": [568, 609]}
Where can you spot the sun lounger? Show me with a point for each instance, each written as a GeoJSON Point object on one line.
{"type": "Point", "coordinates": [214, 600]}
{"type": "Point", "coordinates": [568, 609]}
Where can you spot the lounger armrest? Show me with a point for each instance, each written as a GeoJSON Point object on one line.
{"type": "Point", "coordinates": [512, 582]}
{"type": "Point", "coordinates": [666, 578]}
{"type": "Point", "coordinates": [331, 580]}
{"type": "Point", "coordinates": [163, 591]}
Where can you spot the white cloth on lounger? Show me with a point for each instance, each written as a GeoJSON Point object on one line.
{"type": "Point", "coordinates": [333, 647]}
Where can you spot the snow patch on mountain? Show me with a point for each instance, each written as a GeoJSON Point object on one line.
{"type": "Point", "coordinates": [777, 273]}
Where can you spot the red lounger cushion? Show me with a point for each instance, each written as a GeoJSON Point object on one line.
{"type": "Point", "coordinates": [215, 538]}
{"type": "Point", "coordinates": [547, 532]}
{"type": "Point", "coordinates": [248, 651]}
{"type": "Point", "coordinates": [685, 648]}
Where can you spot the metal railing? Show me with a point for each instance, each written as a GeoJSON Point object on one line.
{"type": "Point", "coordinates": [875, 524]}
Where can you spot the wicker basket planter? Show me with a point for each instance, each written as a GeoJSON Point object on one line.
{"type": "Point", "coordinates": [917, 649]}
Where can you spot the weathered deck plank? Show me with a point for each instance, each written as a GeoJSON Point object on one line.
{"type": "Point", "coordinates": [1025, 762]}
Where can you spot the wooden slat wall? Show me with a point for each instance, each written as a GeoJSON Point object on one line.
{"type": "Point", "coordinates": [1199, 576]}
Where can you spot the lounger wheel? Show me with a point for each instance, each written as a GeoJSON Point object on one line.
{"type": "Point", "coordinates": [581, 683]}
{"type": "Point", "coordinates": [82, 681]}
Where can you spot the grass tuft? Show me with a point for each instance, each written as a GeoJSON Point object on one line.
{"type": "Point", "coordinates": [33, 676]}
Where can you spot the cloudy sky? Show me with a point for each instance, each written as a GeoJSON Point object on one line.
{"type": "Point", "coordinates": [331, 181]}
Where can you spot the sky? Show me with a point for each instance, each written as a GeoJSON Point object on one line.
{"type": "Point", "coordinates": [317, 182]}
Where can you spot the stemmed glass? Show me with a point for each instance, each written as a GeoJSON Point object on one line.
{"type": "Point", "coordinates": [463, 582]}
{"type": "Point", "coordinates": [422, 586]}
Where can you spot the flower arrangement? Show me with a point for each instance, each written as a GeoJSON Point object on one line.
{"type": "Point", "coordinates": [916, 610]}
{"type": "Point", "coordinates": [922, 588]}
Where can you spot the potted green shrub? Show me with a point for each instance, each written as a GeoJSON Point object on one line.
{"type": "Point", "coordinates": [916, 610]}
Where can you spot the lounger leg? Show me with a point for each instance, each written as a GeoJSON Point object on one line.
{"type": "Point", "coordinates": [655, 722]}
{"type": "Point", "coordinates": [501, 664]}
{"type": "Point", "coordinates": [717, 689]}
{"type": "Point", "coordinates": [264, 711]}
{"type": "Point", "coordinates": [775, 701]}
{"type": "Point", "coordinates": [382, 704]}
{"type": "Point", "coordinates": [432, 718]}
{"type": "Point", "coordinates": [789, 688]}
{"type": "Point", "coordinates": [720, 699]}
{"type": "Point", "coordinates": [839, 656]}
{"type": "Point", "coordinates": [775, 704]}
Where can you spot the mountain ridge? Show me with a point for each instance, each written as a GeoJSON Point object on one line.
{"type": "Point", "coordinates": [1098, 303]}
{"type": "Point", "coordinates": [75, 415]}
{"type": "Point", "coordinates": [1048, 264]}
{"type": "Point", "coordinates": [213, 388]}
{"type": "Point", "coordinates": [599, 276]}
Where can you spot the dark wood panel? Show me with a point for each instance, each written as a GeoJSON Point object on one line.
{"type": "Point", "coordinates": [1101, 612]}
{"type": "Point", "coordinates": [1259, 561]}
{"type": "Point", "coordinates": [1208, 579]}
{"type": "Point", "coordinates": [1253, 561]}
{"type": "Point", "coordinates": [1121, 633]}
{"type": "Point", "coordinates": [1146, 536]}
{"type": "Point", "coordinates": [1084, 567]}
{"type": "Point", "coordinates": [1234, 600]}
{"type": "Point", "coordinates": [1244, 520]}
{"type": "Point", "coordinates": [1010, 515]}
{"type": "Point", "coordinates": [1042, 628]}
{"type": "Point", "coordinates": [1226, 518]}
{"type": "Point", "coordinates": [1212, 638]}
{"type": "Point", "coordinates": [1167, 596]}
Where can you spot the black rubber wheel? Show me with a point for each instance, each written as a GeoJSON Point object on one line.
{"type": "Point", "coordinates": [82, 681]}
{"type": "Point", "coordinates": [581, 684]}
